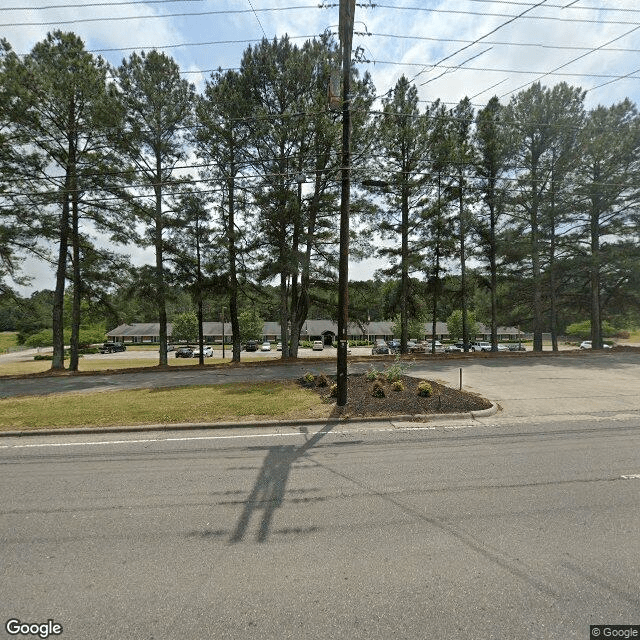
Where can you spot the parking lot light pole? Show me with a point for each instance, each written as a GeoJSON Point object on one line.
{"type": "Point", "coordinates": [347, 10]}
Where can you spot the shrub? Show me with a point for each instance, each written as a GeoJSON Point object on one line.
{"type": "Point", "coordinates": [43, 338]}
{"type": "Point", "coordinates": [424, 389]}
{"type": "Point", "coordinates": [372, 374]}
{"type": "Point", "coordinates": [396, 370]}
{"type": "Point", "coordinates": [377, 390]}
{"type": "Point", "coordinates": [322, 381]}
{"type": "Point", "coordinates": [397, 386]}
{"type": "Point", "coordinates": [333, 392]}
{"type": "Point", "coordinates": [308, 378]}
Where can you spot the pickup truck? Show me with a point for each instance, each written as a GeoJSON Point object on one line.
{"type": "Point", "coordinates": [112, 347]}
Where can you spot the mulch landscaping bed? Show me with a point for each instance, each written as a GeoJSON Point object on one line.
{"type": "Point", "coordinates": [362, 403]}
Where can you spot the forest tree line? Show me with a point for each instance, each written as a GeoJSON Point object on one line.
{"type": "Point", "coordinates": [525, 212]}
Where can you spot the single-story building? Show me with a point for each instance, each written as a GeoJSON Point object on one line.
{"type": "Point", "coordinates": [325, 330]}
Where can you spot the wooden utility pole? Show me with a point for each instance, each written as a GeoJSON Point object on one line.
{"type": "Point", "coordinates": [347, 10]}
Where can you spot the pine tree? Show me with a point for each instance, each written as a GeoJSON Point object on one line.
{"type": "Point", "coordinates": [157, 110]}
{"type": "Point", "coordinates": [60, 107]}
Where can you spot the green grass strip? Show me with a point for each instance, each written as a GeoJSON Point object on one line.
{"type": "Point", "coordinates": [200, 404]}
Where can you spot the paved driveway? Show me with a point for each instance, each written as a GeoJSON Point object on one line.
{"type": "Point", "coordinates": [548, 385]}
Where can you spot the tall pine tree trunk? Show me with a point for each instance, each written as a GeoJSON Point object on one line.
{"type": "Point", "coordinates": [57, 363]}
{"type": "Point", "coordinates": [463, 265]}
{"type": "Point", "coordinates": [160, 286]}
{"type": "Point", "coordinates": [233, 269]}
{"type": "Point", "coordinates": [77, 286]}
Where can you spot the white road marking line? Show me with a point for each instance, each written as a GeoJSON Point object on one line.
{"type": "Point", "coordinates": [294, 434]}
{"type": "Point", "coordinates": [633, 476]}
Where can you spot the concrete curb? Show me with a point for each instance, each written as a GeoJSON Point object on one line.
{"type": "Point", "coordinates": [421, 417]}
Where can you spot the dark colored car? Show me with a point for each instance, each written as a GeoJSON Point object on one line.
{"type": "Point", "coordinates": [252, 345]}
{"type": "Point", "coordinates": [394, 346]}
{"type": "Point", "coordinates": [112, 347]}
{"type": "Point", "coordinates": [184, 352]}
{"type": "Point", "coordinates": [380, 347]}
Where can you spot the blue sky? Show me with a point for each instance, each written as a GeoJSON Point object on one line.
{"type": "Point", "coordinates": [476, 48]}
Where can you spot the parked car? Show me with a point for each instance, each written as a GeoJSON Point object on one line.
{"type": "Point", "coordinates": [251, 345]}
{"type": "Point", "coordinates": [480, 346]}
{"type": "Point", "coordinates": [184, 352]}
{"type": "Point", "coordinates": [517, 347]}
{"type": "Point", "coordinates": [453, 348]}
{"type": "Point", "coordinates": [426, 346]}
{"type": "Point", "coordinates": [279, 346]}
{"type": "Point", "coordinates": [394, 345]}
{"type": "Point", "coordinates": [112, 347]}
{"type": "Point", "coordinates": [586, 344]}
{"type": "Point", "coordinates": [503, 347]}
{"type": "Point", "coordinates": [318, 345]}
{"type": "Point", "coordinates": [380, 347]}
{"type": "Point", "coordinates": [207, 352]}
{"type": "Point", "coordinates": [266, 346]}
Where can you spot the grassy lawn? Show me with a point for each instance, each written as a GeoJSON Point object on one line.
{"type": "Point", "coordinates": [8, 339]}
{"type": "Point", "coordinates": [199, 404]}
{"type": "Point", "coordinates": [38, 366]}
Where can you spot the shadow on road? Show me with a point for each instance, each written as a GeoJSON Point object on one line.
{"type": "Point", "coordinates": [268, 492]}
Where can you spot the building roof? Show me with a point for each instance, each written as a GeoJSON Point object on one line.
{"type": "Point", "coordinates": [309, 328]}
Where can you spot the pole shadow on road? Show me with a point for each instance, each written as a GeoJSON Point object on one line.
{"type": "Point", "coordinates": [268, 491]}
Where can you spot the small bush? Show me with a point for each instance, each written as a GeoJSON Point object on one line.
{"type": "Point", "coordinates": [396, 370]}
{"type": "Point", "coordinates": [308, 378]}
{"type": "Point", "coordinates": [322, 381]}
{"type": "Point", "coordinates": [377, 390]}
{"type": "Point", "coordinates": [397, 385]}
{"type": "Point", "coordinates": [424, 389]}
{"type": "Point", "coordinates": [333, 392]}
{"type": "Point", "coordinates": [372, 374]}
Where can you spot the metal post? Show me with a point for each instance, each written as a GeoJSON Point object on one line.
{"type": "Point", "coordinates": [347, 9]}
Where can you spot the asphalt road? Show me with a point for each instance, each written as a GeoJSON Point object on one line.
{"type": "Point", "coordinates": [472, 531]}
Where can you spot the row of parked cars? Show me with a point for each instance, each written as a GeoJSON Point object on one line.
{"type": "Point", "coordinates": [393, 346]}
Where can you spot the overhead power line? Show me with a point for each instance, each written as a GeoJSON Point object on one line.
{"type": "Point", "coordinates": [504, 43]}
{"type": "Point", "coordinates": [584, 55]}
{"type": "Point", "coordinates": [498, 70]}
{"type": "Point", "coordinates": [159, 15]}
{"type": "Point", "coordinates": [486, 35]}
{"type": "Point", "coordinates": [94, 4]}
{"type": "Point", "coordinates": [485, 14]}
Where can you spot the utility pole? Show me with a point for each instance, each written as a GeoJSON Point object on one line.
{"type": "Point", "coordinates": [347, 10]}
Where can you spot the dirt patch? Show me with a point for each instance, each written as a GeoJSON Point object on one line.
{"type": "Point", "coordinates": [361, 401]}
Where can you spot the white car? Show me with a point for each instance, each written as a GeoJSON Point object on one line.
{"type": "Point", "coordinates": [586, 344]}
{"type": "Point", "coordinates": [207, 352]}
{"type": "Point", "coordinates": [503, 347]}
{"type": "Point", "coordinates": [266, 346]}
{"type": "Point", "coordinates": [318, 345]}
{"type": "Point", "coordinates": [427, 344]}
{"type": "Point", "coordinates": [279, 346]}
